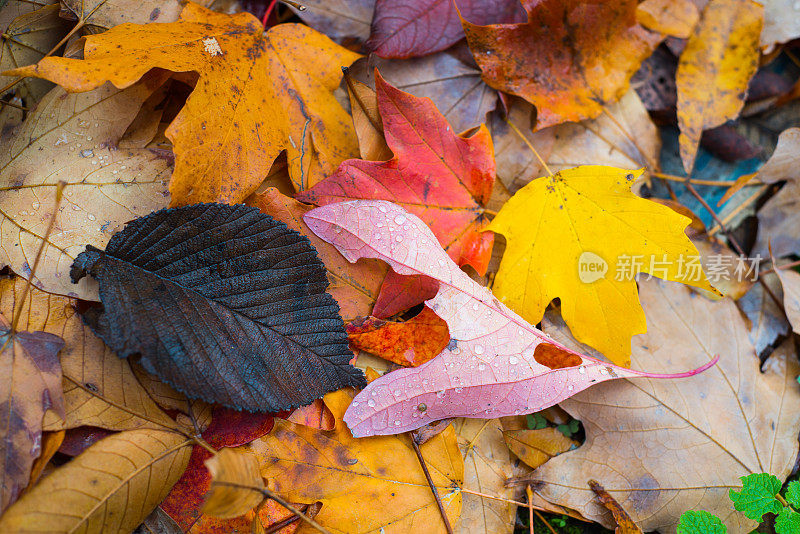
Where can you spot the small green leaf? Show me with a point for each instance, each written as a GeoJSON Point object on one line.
{"type": "Point", "coordinates": [569, 429]}
{"type": "Point", "coordinates": [700, 522]}
{"type": "Point", "coordinates": [757, 496]}
{"type": "Point", "coordinates": [536, 421]}
{"type": "Point", "coordinates": [793, 493]}
{"type": "Point", "coordinates": [787, 522]}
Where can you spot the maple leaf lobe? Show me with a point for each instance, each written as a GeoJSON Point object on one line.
{"type": "Point", "coordinates": [224, 303]}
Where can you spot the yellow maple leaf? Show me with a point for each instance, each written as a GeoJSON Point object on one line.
{"type": "Point", "coordinates": [581, 235]}
{"type": "Point", "coordinates": [257, 94]}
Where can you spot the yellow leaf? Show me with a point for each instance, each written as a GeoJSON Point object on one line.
{"type": "Point", "coordinates": [233, 466]}
{"type": "Point", "coordinates": [365, 485]}
{"type": "Point", "coordinates": [580, 235]}
{"type": "Point", "coordinates": [110, 487]}
{"type": "Point", "coordinates": [671, 17]}
{"type": "Point", "coordinates": [258, 94]}
{"type": "Point", "coordinates": [715, 69]}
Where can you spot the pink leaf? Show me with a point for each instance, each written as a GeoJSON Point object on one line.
{"type": "Point", "coordinates": [496, 363]}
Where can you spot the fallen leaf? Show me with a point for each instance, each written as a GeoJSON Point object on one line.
{"type": "Point", "coordinates": [408, 343]}
{"type": "Point", "coordinates": [77, 440]}
{"type": "Point", "coordinates": [30, 386]}
{"type": "Point", "coordinates": [184, 502]}
{"type": "Point", "coordinates": [625, 524]}
{"type": "Point", "coordinates": [790, 280]}
{"type": "Point", "coordinates": [487, 466]}
{"type": "Point", "coordinates": [224, 156]}
{"type": "Point", "coordinates": [315, 415]}
{"type": "Point", "coordinates": [581, 235]}
{"type": "Point", "coordinates": [70, 138]}
{"type": "Point", "coordinates": [680, 452]}
{"type": "Point", "coordinates": [439, 176]}
{"type": "Point", "coordinates": [351, 475]}
{"type": "Point", "coordinates": [338, 19]}
{"type": "Point", "coordinates": [102, 15]}
{"type": "Point", "coordinates": [624, 137]}
{"type": "Point", "coordinates": [25, 40]}
{"type": "Point", "coordinates": [251, 291]}
{"type": "Point", "coordinates": [231, 468]}
{"type": "Point", "coordinates": [768, 322]}
{"type": "Point", "coordinates": [565, 84]}
{"type": "Point", "coordinates": [100, 389]}
{"type": "Point", "coordinates": [400, 293]}
{"type": "Point", "coordinates": [778, 218]}
{"type": "Point", "coordinates": [51, 444]}
{"type": "Point", "coordinates": [403, 28]}
{"type": "Point", "coordinates": [535, 447]}
{"type": "Point", "coordinates": [455, 87]}
{"type": "Point", "coordinates": [495, 365]}
{"type": "Point", "coordinates": [355, 287]}
{"type": "Point", "coordinates": [111, 487]}
{"type": "Point", "coordinates": [715, 68]}
{"type": "Point", "coordinates": [367, 121]}
{"type": "Point", "coordinates": [781, 23]}
{"type": "Point", "coordinates": [677, 18]}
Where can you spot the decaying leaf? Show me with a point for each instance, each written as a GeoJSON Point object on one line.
{"type": "Point", "coordinates": [410, 28]}
{"type": "Point", "coordinates": [564, 83]}
{"type": "Point", "coordinates": [102, 15]}
{"type": "Point", "coordinates": [351, 476]}
{"type": "Point", "coordinates": [663, 447]}
{"type": "Point", "coordinates": [767, 319]}
{"type": "Point", "coordinates": [100, 389]}
{"type": "Point", "coordinates": [71, 138]}
{"type": "Point", "coordinates": [111, 487]}
{"type": "Point", "coordinates": [221, 291]}
{"type": "Point", "coordinates": [715, 69]}
{"type": "Point", "coordinates": [581, 235]}
{"type": "Point", "coordinates": [495, 365]}
{"type": "Point", "coordinates": [30, 385]}
{"type": "Point", "coordinates": [355, 287]}
{"type": "Point", "coordinates": [223, 156]}
{"type": "Point", "coordinates": [671, 17]}
{"type": "Point", "coordinates": [443, 178]}
{"type": "Point", "coordinates": [230, 469]}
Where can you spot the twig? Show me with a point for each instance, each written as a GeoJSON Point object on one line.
{"type": "Point", "coordinates": [285, 522]}
{"type": "Point", "coordinates": [280, 500]}
{"type": "Point", "coordinates": [59, 196]}
{"type": "Point", "coordinates": [697, 181]}
{"type": "Point", "coordinates": [487, 496]}
{"type": "Point", "coordinates": [527, 142]}
{"type": "Point", "coordinates": [651, 164]}
{"type": "Point", "coordinates": [529, 494]}
{"type": "Point", "coordinates": [781, 267]}
{"type": "Point", "coordinates": [415, 445]}
{"type": "Point", "coordinates": [546, 523]}
{"type": "Point", "coordinates": [714, 215]}
{"type": "Point", "coordinates": [749, 200]}
{"type": "Point", "coordinates": [471, 443]}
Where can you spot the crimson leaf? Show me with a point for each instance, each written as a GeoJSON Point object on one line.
{"type": "Point", "coordinates": [224, 303]}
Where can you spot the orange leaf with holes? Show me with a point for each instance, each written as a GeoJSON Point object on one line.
{"type": "Point", "coordinates": [408, 343]}
{"type": "Point", "coordinates": [257, 94]}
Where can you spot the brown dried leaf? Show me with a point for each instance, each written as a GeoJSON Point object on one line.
{"type": "Point", "coordinates": [233, 466]}
{"type": "Point", "coordinates": [661, 447]}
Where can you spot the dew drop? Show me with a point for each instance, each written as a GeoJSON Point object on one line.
{"type": "Point", "coordinates": [371, 403]}
{"type": "Point", "coordinates": [378, 236]}
{"type": "Point", "coordinates": [396, 393]}
{"type": "Point", "coordinates": [397, 423]}
{"type": "Point", "coordinates": [513, 360]}
{"type": "Point", "coordinates": [582, 370]}
{"type": "Point", "coordinates": [570, 387]}
{"type": "Point", "coordinates": [398, 238]}
{"type": "Point", "coordinates": [382, 209]}
{"type": "Point", "coordinates": [76, 208]}
{"type": "Point", "coordinates": [87, 153]}
{"type": "Point", "coordinates": [478, 349]}
{"type": "Point", "coordinates": [422, 407]}
{"type": "Point", "coordinates": [35, 206]}
{"type": "Point", "coordinates": [400, 219]}
{"type": "Point", "coordinates": [458, 390]}
{"type": "Point", "coordinates": [481, 367]}
{"type": "Point", "coordinates": [91, 217]}
{"type": "Point", "coordinates": [475, 306]}
{"type": "Point", "coordinates": [440, 394]}
{"type": "Point", "coordinates": [441, 263]}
